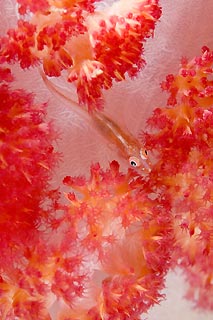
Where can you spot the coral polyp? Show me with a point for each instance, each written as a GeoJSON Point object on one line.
{"type": "Point", "coordinates": [94, 46]}
{"type": "Point", "coordinates": [124, 236]}
{"type": "Point", "coordinates": [184, 144]}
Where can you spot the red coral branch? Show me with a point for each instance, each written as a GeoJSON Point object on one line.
{"type": "Point", "coordinates": [94, 46]}
{"type": "Point", "coordinates": [183, 142]}
{"type": "Point", "coordinates": [110, 259]}
{"type": "Point", "coordinates": [125, 236]}
{"type": "Point", "coordinates": [26, 161]}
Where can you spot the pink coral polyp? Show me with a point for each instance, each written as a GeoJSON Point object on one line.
{"type": "Point", "coordinates": [94, 46]}
{"type": "Point", "coordinates": [184, 144]}
{"type": "Point", "coordinates": [105, 256]}
{"type": "Point", "coordinates": [122, 236]}
{"type": "Point", "coordinates": [26, 160]}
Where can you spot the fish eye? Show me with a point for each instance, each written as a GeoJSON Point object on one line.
{"type": "Point", "coordinates": [145, 151]}
{"type": "Point", "coordinates": [134, 162]}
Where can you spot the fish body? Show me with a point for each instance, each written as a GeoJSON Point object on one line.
{"type": "Point", "coordinates": [127, 145]}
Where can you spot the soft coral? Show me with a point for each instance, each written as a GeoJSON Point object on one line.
{"type": "Point", "coordinates": [183, 143]}
{"type": "Point", "coordinates": [125, 236]}
{"type": "Point", "coordinates": [94, 46]}
{"type": "Point", "coordinates": [26, 163]}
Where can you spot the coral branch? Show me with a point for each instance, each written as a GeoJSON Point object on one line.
{"type": "Point", "coordinates": [126, 239]}
{"type": "Point", "coordinates": [27, 159]}
{"type": "Point", "coordinates": [183, 141]}
{"type": "Point", "coordinates": [110, 259]}
{"type": "Point", "coordinates": [94, 46]}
